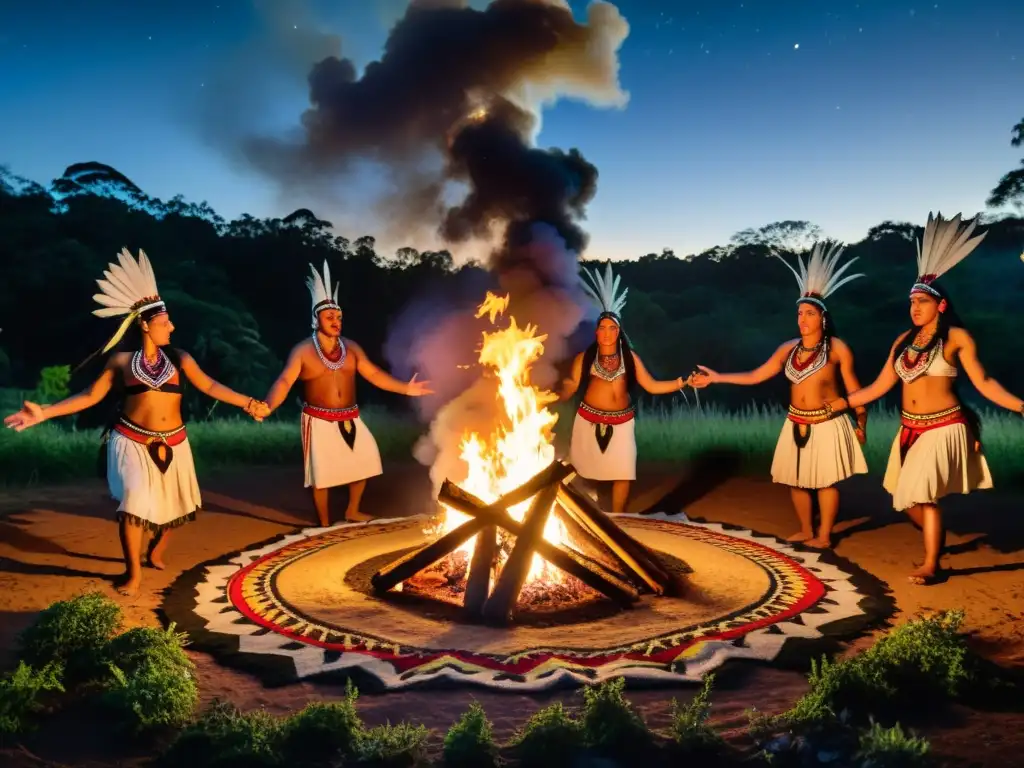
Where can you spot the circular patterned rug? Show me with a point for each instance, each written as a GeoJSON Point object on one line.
{"type": "Point", "coordinates": [301, 606]}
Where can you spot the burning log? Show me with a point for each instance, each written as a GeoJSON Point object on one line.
{"type": "Point", "coordinates": [406, 567]}
{"type": "Point", "coordinates": [500, 604]}
{"type": "Point", "coordinates": [634, 555]}
{"type": "Point", "coordinates": [592, 574]}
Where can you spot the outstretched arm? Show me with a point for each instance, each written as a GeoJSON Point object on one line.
{"type": "Point", "coordinates": [887, 379]}
{"type": "Point", "coordinates": [32, 414]}
{"type": "Point", "coordinates": [212, 388]}
{"type": "Point", "coordinates": [652, 385]}
{"type": "Point", "coordinates": [988, 387]}
{"type": "Point", "coordinates": [572, 384]}
{"type": "Point", "coordinates": [770, 368]}
{"type": "Point", "coordinates": [283, 385]}
{"type": "Point", "coordinates": [383, 380]}
{"type": "Point", "coordinates": [844, 356]}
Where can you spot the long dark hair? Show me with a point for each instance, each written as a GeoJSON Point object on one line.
{"type": "Point", "coordinates": [625, 349]}
{"type": "Point", "coordinates": [947, 319]}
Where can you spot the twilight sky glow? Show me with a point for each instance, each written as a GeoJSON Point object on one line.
{"type": "Point", "coordinates": [740, 113]}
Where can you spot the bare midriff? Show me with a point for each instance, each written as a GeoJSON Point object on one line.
{"type": "Point", "coordinates": [324, 388]}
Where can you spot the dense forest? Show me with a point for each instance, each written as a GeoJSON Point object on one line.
{"type": "Point", "coordinates": [239, 300]}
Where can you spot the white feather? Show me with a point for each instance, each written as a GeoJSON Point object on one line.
{"type": "Point", "coordinates": [320, 287]}
{"type": "Point", "coordinates": [127, 283]}
{"type": "Point", "coordinates": [818, 275]}
{"type": "Point", "coordinates": [604, 289]}
{"type": "Point", "coordinates": [945, 244]}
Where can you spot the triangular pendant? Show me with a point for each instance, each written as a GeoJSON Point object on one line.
{"type": "Point", "coordinates": [161, 459]}
{"type": "Point", "coordinates": [603, 433]}
{"type": "Point", "coordinates": [348, 432]}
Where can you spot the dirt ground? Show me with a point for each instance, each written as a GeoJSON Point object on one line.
{"type": "Point", "coordinates": [56, 542]}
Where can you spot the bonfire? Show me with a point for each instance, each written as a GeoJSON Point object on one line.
{"type": "Point", "coordinates": [515, 502]}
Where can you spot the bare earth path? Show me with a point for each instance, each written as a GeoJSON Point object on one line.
{"type": "Point", "coordinates": [60, 541]}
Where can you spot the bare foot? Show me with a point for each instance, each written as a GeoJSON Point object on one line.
{"type": "Point", "coordinates": [128, 587]}
{"type": "Point", "coordinates": [800, 536]}
{"type": "Point", "coordinates": [355, 516]}
{"type": "Point", "coordinates": [819, 543]}
{"type": "Point", "coordinates": [156, 561]}
{"type": "Point", "coordinates": [923, 576]}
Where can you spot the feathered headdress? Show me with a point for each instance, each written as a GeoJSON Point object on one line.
{"type": "Point", "coordinates": [604, 290]}
{"type": "Point", "coordinates": [945, 245]}
{"type": "Point", "coordinates": [129, 289]}
{"type": "Point", "coordinates": [320, 291]}
{"type": "Point", "coordinates": [818, 277]}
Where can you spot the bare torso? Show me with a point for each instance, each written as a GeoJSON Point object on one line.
{"type": "Point", "coordinates": [152, 409]}
{"type": "Point", "coordinates": [818, 388]}
{"type": "Point", "coordinates": [604, 394]}
{"type": "Point", "coordinates": [322, 387]}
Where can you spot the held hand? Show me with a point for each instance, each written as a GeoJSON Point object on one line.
{"type": "Point", "coordinates": [258, 409]}
{"type": "Point", "coordinates": [861, 434]}
{"type": "Point", "coordinates": [418, 388]}
{"type": "Point", "coordinates": [836, 406]}
{"type": "Point", "coordinates": [29, 415]}
{"type": "Point", "coordinates": [704, 376]}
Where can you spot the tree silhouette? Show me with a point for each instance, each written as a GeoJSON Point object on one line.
{"type": "Point", "coordinates": [1010, 189]}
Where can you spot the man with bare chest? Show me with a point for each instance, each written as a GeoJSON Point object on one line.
{"type": "Point", "coordinates": [337, 447]}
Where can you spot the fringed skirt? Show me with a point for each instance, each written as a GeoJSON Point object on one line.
{"type": "Point", "coordinates": [337, 447]}
{"type": "Point", "coordinates": [933, 456]}
{"type": "Point", "coordinates": [152, 475]}
{"type": "Point", "coordinates": [816, 452]}
{"type": "Point", "coordinates": [603, 444]}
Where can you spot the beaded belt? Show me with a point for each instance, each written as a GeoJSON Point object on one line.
{"type": "Point", "coordinates": [799, 416]}
{"type": "Point", "coordinates": [343, 417]}
{"type": "Point", "coordinates": [596, 416]}
{"type": "Point", "coordinates": [159, 445]}
{"type": "Point", "coordinates": [913, 425]}
{"type": "Point", "coordinates": [331, 414]}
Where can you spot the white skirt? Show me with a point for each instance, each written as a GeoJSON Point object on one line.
{"type": "Point", "coordinates": [832, 453]}
{"type": "Point", "coordinates": [328, 458]}
{"type": "Point", "coordinates": [616, 462]}
{"type": "Point", "coordinates": [147, 496]}
{"type": "Point", "coordinates": [941, 461]}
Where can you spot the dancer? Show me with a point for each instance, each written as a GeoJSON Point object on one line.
{"type": "Point", "coordinates": [603, 443]}
{"type": "Point", "coordinates": [150, 469]}
{"type": "Point", "coordinates": [337, 447]}
{"type": "Point", "coordinates": [937, 450]}
{"type": "Point", "coordinates": [814, 452]}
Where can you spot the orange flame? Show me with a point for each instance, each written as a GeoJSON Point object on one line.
{"type": "Point", "coordinates": [521, 444]}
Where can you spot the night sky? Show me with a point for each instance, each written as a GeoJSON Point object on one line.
{"type": "Point", "coordinates": [740, 113]}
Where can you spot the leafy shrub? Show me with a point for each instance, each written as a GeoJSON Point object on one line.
{"type": "Point", "coordinates": [54, 383]}
{"type": "Point", "coordinates": [550, 738]}
{"type": "Point", "coordinates": [152, 682]}
{"type": "Point", "coordinates": [223, 737]}
{"type": "Point", "coordinates": [610, 724]}
{"type": "Point", "coordinates": [690, 730]}
{"type": "Point", "coordinates": [323, 731]}
{"type": "Point", "coordinates": [891, 748]}
{"type": "Point", "coordinates": [393, 746]}
{"type": "Point", "coordinates": [469, 743]}
{"type": "Point", "coordinates": [19, 696]}
{"type": "Point", "coordinates": [73, 633]}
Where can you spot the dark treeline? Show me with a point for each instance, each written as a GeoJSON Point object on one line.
{"type": "Point", "coordinates": [237, 294]}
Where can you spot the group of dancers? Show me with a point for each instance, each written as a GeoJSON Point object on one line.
{"type": "Point", "coordinates": [151, 473]}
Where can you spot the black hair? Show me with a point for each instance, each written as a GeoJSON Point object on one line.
{"type": "Point", "coordinates": [947, 319]}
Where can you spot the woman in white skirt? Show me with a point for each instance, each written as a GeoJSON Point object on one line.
{"type": "Point", "coordinates": [149, 465]}
{"type": "Point", "coordinates": [815, 451]}
{"type": "Point", "coordinates": [603, 446]}
{"type": "Point", "coordinates": [938, 448]}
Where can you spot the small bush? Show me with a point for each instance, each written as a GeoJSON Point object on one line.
{"type": "Point", "coordinates": [223, 737]}
{"type": "Point", "coordinates": [323, 731]}
{"type": "Point", "coordinates": [550, 738]}
{"type": "Point", "coordinates": [19, 696]}
{"type": "Point", "coordinates": [393, 746]}
{"type": "Point", "coordinates": [690, 730]}
{"type": "Point", "coordinates": [74, 634]}
{"type": "Point", "coordinates": [891, 748]}
{"type": "Point", "coordinates": [469, 743]}
{"type": "Point", "coordinates": [152, 682]}
{"type": "Point", "coordinates": [610, 724]}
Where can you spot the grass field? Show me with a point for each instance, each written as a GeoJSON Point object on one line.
{"type": "Point", "coordinates": [50, 454]}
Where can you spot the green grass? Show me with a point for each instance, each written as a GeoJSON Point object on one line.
{"type": "Point", "coordinates": [51, 453]}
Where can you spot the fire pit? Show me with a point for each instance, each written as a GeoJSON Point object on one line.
{"type": "Point", "coordinates": [515, 534]}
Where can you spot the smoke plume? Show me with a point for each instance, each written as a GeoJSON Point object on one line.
{"type": "Point", "coordinates": [454, 103]}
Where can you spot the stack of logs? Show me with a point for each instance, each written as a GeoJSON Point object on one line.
{"type": "Point", "coordinates": [639, 570]}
